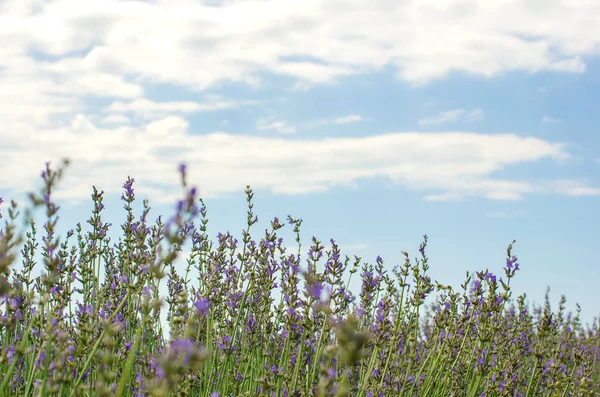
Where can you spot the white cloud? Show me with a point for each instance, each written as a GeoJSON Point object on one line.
{"type": "Point", "coordinates": [448, 196]}
{"type": "Point", "coordinates": [474, 115]}
{"type": "Point", "coordinates": [148, 109]}
{"type": "Point", "coordinates": [90, 47]}
{"type": "Point", "coordinates": [56, 56]}
{"type": "Point", "coordinates": [300, 86]}
{"type": "Point", "coordinates": [449, 165]}
{"type": "Point", "coordinates": [573, 188]}
{"type": "Point", "coordinates": [52, 54]}
{"type": "Point", "coordinates": [115, 119]}
{"type": "Point", "coordinates": [351, 118]}
{"type": "Point", "coordinates": [453, 116]}
{"type": "Point", "coordinates": [282, 127]}
{"type": "Point", "coordinates": [550, 120]}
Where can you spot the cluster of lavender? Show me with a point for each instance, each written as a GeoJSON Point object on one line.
{"type": "Point", "coordinates": [89, 323]}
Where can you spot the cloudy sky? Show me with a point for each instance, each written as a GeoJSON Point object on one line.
{"type": "Point", "coordinates": [375, 121]}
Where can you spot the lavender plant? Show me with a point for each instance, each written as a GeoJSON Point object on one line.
{"type": "Point", "coordinates": [89, 324]}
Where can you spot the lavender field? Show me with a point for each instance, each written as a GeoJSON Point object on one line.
{"type": "Point", "coordinates": [89, 324]}
{"type": "Point", "coordinates": [283, 198]}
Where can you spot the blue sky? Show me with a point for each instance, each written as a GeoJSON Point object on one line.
{"type": "Point", "coordinates": [376, 122]}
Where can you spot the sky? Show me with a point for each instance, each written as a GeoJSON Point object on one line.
{"type": "Point", "coordinates": [375, 121]}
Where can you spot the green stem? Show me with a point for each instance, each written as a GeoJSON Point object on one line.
{"type": "Point", "coordinates": [97, 344]}
{"type": "Point", "coordinates": [130, 359]}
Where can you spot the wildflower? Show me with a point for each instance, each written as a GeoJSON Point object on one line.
{"type": "Point", "coordinates": [202, 306]}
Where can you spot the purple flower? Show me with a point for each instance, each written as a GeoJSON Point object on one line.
{"type": "Point", "coordinates": [442, 335]}
{"type": "Point", "coordinates": [315, 290]}
{"type": "Point", "coordinates": [490, 277]}
{"type": "Point", "coordinates": [226, 340]}
{"type": "Point", "coordinates": [331, 373]}
{"type": "Point", "coordinates": [128, 186]}
{"type": "Point", "coordinates": [201, 305]}
{"type": "Point", "coordinates": [512, 261]}
{"type": "Point", "coordinates": [10, 354]}
{"type": "Point", "coordinates": [41, 359]}
{"type": "Point", "coordinates": [160, 372]}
